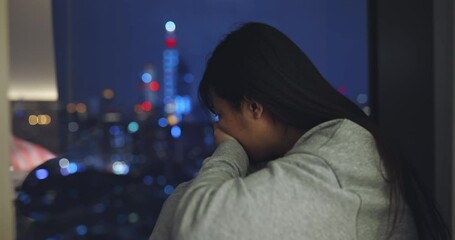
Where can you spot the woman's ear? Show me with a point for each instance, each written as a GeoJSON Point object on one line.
{"type": "Point", "coordinates": [254, 108]}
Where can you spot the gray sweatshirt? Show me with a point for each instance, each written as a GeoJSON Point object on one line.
{"type": "Point", "coordinates": [328, 186]}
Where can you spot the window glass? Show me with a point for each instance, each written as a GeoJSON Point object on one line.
{"type": "Point", "coordinates": [106, 119]}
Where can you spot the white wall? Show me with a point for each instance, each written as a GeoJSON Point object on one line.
{"type": "Point", "coordinates": [6, 198]}
{"type": "Point", "coordinates": [32, 66]}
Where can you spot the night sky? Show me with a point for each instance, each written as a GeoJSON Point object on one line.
{"type": "Point", "coordinates": [106, 44]}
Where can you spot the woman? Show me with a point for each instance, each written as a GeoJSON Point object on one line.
{"type": "Point", "coordinates": [295, 158]}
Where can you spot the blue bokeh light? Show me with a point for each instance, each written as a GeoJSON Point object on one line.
{"type": "Point", "coordinates": [162, 122]}
{"type": "Point", "coordinates": [41, 174]}
{"type": "Point", "coordinates": [133, 127]}
{"type": "Point", "coordinates": [146, 77]}
{"type": "Point", "coordinates": [148, 180]}
{"type": "Point", "coordinates": [168, 189]}
{"type": "Point", "coordinates": [120, 168]}
{"type": "Point", "coordinates": [99, 208]}
{"type": "Point", "coordinates": [115, 130]}
{"type": "Point", "coordinates": [362, 98]}
{"type": "Point", "coordinates": [20, 112]}
{"type": "Point", "coordinates": [24, 198]}
{"type": "Point", "coordinates": [81, 230]}
{"type": "Point", "coordinates": [176, 132]}
{"type": "Point", "coordinates": [182, 104]}
{"type": "Point", "coordinates": [188, 78]}
{"type": "Point", "coordinates": [72, 168]}
{"type": "Point", "coordinates": [118, 141]}
{"type": "Point", "coordinates": [64, 171]}
{"type": "Point", "coordinates": [170, 26]}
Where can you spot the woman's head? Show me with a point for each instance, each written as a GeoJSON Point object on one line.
{"type": "Point", "coordinates": [261, 136]}
{"type": "Point", "coordinates": [258, 63]}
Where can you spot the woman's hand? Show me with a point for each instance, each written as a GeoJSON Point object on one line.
{"type": "Point", "coordinates": [220, 135]}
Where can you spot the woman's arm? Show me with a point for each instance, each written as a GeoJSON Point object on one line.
{"type": "Point", "coordinates": [294, 197]}
{"type": "Point", "coordinates": [213, 192]}
{"type": "Point", "coordinates": [163, 226]}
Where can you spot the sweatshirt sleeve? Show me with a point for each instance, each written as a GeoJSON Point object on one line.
{"type": "Point", "coordinates": [163, 226]}
{"type": "Point", "coordinates": [283, 200]}
{"type": "Point", "coordinates": [216, 185]}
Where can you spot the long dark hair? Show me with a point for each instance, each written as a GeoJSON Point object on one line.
{"type": "Point", "coordinates": [258, 62]}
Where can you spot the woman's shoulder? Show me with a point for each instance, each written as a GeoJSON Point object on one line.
{"type": "Point", "coordinates": [333, 133]}
{"type": "Point", "coordinates": [348, 149]}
